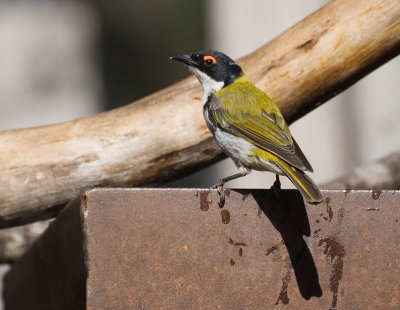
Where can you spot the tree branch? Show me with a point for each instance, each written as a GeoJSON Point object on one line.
{"type": "Point", "coordinates": [383, 174]}
{"type": "Point", "coordinates": [163, 136]}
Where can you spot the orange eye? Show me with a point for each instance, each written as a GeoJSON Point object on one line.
{"type": "Point", "coordinates": [209, 60]}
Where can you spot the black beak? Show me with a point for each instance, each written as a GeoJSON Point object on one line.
{"type": "Point", "coordinates": [186, 59]}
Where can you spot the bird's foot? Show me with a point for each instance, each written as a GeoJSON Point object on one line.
{"type": "Point", "coordinates": [221, 192]}
{"type": "Point", "coordinates": [276, 188]}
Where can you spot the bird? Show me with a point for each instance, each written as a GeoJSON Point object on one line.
{"type": "Point", "coordinates": [247, 125]}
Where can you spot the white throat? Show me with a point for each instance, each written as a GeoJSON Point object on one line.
{"type": "Point", "coordinates": [210, 85]}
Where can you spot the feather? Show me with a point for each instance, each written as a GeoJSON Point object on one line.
{"type": "Point", "coordinates": [245, 111]}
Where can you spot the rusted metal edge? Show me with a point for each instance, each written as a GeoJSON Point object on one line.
{"type": "Point", "coordinates": [175, 248]}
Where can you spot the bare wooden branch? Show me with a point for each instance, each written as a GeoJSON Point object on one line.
{"type": "Point", "coordinates": [163, 136]}
{"type": "Point", "coordinates": [383, 174]}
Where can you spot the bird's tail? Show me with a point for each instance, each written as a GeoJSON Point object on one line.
{"type": "Point", "coordinates": [302, 181]}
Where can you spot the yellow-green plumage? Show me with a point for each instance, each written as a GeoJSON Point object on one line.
{"type": "Point", "coordinates": [302, 182]}
{"type": "Point", "coordinates": [263, 125]}
{"type": "Point", "coordinates": [238, 107]}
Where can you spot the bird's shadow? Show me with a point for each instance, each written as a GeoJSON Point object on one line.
{"type": "Point", "coordinates": [288, 215]}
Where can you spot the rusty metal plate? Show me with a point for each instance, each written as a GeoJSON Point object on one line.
{"type": "Point", "coordinates": [176, 249]}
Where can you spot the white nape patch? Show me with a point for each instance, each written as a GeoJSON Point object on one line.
{"type": "Point", "coordinates": [210, 85]}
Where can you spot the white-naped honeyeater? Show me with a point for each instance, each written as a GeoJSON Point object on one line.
{"type": "Point", "coordinates": [247, 124]}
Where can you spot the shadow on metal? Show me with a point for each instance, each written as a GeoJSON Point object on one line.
{"type": "Point", "coordinates": [289, 217]}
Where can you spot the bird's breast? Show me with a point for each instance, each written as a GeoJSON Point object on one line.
{"type": "Point", "coordinates": [237, 148]}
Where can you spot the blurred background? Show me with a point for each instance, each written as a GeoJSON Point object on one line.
{"type": "Point", "coordinates": [60, 60]}
{"type": "Point", "coordinates": [65, 59]}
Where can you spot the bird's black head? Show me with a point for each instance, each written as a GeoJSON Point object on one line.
{"type": "Point", "coordinates": [215, 65]}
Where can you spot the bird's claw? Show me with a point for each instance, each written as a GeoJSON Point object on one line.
{"type": "Point", "coordinates": [221, 192]}
{"type": "Point", "coordinates": [276, 188]}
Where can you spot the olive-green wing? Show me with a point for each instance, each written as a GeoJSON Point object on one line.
{"type": "Point", "coordinates": [262, 124]}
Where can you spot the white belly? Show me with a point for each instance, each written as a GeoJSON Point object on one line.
{"type": "Point", "coordinates": [242, 152]}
